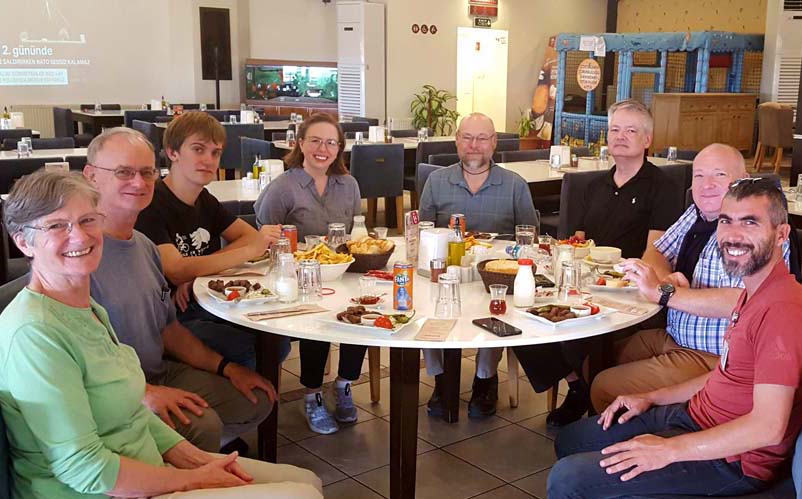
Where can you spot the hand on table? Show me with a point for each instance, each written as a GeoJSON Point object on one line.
{"type": "Point", "coordinates": [640, 454]}
{"type": "Point", "coordinates": [635, 405]}
{"type": "Point", "coordinates": [270, 234]}
{"type": "Point", "coordinates": [246, 381]}
{"type": "Point", "coordinates": [644, 276]}
{"type": "Point", "coordinates": [165, 401]}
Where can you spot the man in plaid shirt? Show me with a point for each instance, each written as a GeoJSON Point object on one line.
{"type": "Point", "coordinates": [700, 297]}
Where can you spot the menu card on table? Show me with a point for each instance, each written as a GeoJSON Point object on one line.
{"type": "Point", "coordinates": [285, 312]}
{"type": "Point", "coordinates": [626, 308]}
{"type": "Point", "coordinates": [435, 329]}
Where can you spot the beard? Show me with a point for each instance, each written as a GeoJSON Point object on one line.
{"type": "Point", "coordinates": [759, 258]}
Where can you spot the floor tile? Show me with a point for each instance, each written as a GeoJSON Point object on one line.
{"type": "Point", "coordinates": [295, 455]}
{"type": "Point", "coordinates": [467, 373]}
{"type": "Point", "coordinates": [361, 394]}
{"type": "Point", "coordinates": [289, 382]}
{"type": "Point", "coordinates": [509, 453]}
{"type": "Point", "coordinates": [252, 439]}
{"type": "Point", "coordinates": [439, 433]}
{"type": "Point", "coordinates": [535, 484]}
{"type": "Point", "coordinates": [505, 492]}
{"type": "Point", "coordinates": [349, 489]}
{"type": "Point", "coordinates": [358, 448]}
{"type": "Point", "coordinates": [538, 424]}
{"type": "Point", "coordinates": [292, 423]}
{"type": "Point", "coordinates": [439, 476]}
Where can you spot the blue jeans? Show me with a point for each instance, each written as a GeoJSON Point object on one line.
{"type": "Point", "coordinates": [578, 474]}
{"type": "Point", "coordinates": [235, 343]}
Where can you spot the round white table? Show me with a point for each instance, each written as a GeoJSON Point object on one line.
{"type": "Point", "coordinates": [404, 348]}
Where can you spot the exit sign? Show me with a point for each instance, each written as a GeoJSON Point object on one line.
{"type": "Point", "coordinates": [482, 22]}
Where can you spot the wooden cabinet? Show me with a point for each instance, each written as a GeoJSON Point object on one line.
{"type": "Point", "coordinates": [692, 121]}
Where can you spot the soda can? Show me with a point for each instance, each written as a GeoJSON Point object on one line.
{"type": "Point", "coordinates": [672, 154]}
{"type": "Point", "coordinates": [291, 233]}
{"type": "Point", "coordinates": [402, 285]}
{"type": "Point", "coordinates": [457, 218]}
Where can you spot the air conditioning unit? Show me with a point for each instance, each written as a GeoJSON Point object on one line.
{"type": "Point", "coordinates": [360, 59]}
{"type": "Point", "coordinates": [782, 52]}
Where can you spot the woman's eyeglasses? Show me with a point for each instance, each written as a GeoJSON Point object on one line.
{"type": "Point", "coordinates": [61, 228]}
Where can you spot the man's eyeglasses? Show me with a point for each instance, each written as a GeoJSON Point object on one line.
{"type": "Point", "coordinates": [316, 141]}
{"type": "Point", "coordinates": [480, 139]}
{"type": "Point", "coordinates": [61, 228]}
{"type": "Point", "coordinates": [754, 180]}
{"type": "Point", "coordinates": [128, 173]}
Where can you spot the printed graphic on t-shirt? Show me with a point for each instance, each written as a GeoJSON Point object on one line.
{"type": "Point", "coordinates": [194, 244]}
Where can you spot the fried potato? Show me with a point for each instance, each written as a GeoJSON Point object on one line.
{"type": "Point", "coordinates": [369, 246]}
{"type": "Point", "coordinates": [323, 254]}
{"type": "Point", "coordinates": [471, 241]}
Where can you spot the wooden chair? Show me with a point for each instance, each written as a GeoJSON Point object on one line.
{"type": "Point", "coordinates": [379, 171]}
{"type": "Point", "coordinates": [775, 129]}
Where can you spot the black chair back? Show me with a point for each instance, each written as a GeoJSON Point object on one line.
{"type": "Point", "coordinates": [422, 174]}
{"type": "Point", "coordinates": [685, 154]}
{"type": "Point", "coordinates": [154, 135]}
{"type": "Point", "coordinates": [16, 134]}
{"type": "Point", "coordinates": [404, 133]}
{"type": "Point", "coordinates": [231, 158]}
{"type": "Point", "coordinates": [507, 135]}
{"type": "Point", "coordinates": [250, 148]}
{"type": "Point", "coordinates": [363, 119]}
{"type": "Point", "coordinates": [218, 115]}
{"type": "Point", "coordinates": [355, 127]}
{"type": "Point", "coordinates": [163, 119]}
{"type": "Point", "coordinates": [141, 115]}
{"type": "Point", "coordinates": [508, 145]}
{"type": "Point", "coordinates": [37, 144]}
{"type": "Point", "coordinates": [426, 149]}
{"type": "Point", "coordinates": [12, 169]}
{"type": "Point", "coordinates": [379, 169]}
{"type": "Point", "coordinates": [528, 155]}
{"type": "Point", "coordinates": [446, 159]}
{"type": "Point", "coordinates": [77, 163]}
{"type": "Point", "coordinates": [190, 106]}
{"type": "Point", "coordinates": [278, 136]}
{"type": "Point", "coordinates": [580, 151]}
{"type": "Point", "coordinates": [349, 135]}
{"type": "Point", "coordinates": [572, 191]}
{"type": "Point", "coordinates": [63, 125]}
{"type": "Point", "coordinates": [103, 107]}
{"type": "Point", "coordinates": [276, 117]}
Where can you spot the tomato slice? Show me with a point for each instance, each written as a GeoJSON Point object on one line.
{"type": "Point", "coordinates": [594, 309]}
{"type": "Point", "coordinates": [601, 282]}
{"type": "Point", "coordinates": [233, 296]}
{"type": "Point", "coordinates": [383, 322]}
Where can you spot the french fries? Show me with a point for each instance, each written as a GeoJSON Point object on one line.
{"type": "Point", "coordinates": [369, 246]}
{"type": "Point", "coordinates": [471, 241]}
{"type": "Point", "coordinates": [323, 254]}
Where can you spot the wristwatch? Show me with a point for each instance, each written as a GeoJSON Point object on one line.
{"type": "Point", "coordinates": [666, 292]}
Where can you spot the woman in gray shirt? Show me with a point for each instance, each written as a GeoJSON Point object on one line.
{"type": "Point", "coordinates": [316, 191]}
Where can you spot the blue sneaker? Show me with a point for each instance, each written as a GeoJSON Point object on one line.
{"type": "Point", "coordinates": [345, 412]}
{"type": "Point", "coordinates": [317, 417]}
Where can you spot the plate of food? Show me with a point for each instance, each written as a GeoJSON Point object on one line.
{"type": "Point", "coordinates": [481, 236]}
{"type": "Point", "coordinates": [359, 318]}
{"type": "Point", "coordinates": [560, 315]}
{"type": "Point", "coordinates": [367, 300]}
{"type": "Point", "coordinates": [581, 245]}
{"type": "Point", "coordinates": [611, 280]}
{"type": "Point", "coordinates": [259, 260]}
{"type": "Point", "coordinates": [239, 291]}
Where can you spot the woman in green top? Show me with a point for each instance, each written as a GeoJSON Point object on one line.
{"type": "Point", "coordinates": [71, 393]}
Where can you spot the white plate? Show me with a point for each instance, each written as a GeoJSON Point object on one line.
{"type": "Point", "coordinates": [221, 298]}
{"type": "Point", "coordinates": [264, 261]}
{"type": "Point", "coordinates": [625, 289]}
{"type": "Point", "coordinates": [603, 312]}
{"type": "Point", "coordinates": [332, 321]}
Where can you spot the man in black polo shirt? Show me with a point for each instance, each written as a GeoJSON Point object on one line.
{"type": "Point", "coordinates": [629, 208]}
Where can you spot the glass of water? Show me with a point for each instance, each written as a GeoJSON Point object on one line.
{"type": "Point", "coordinates": [525, 235]}
{"type": "Point", "coordinates": [232, 118]}
{"type": "Point", "coordinates": [203, 107]}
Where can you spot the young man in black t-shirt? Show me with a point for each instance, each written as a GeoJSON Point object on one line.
{"type": "Point", "coordinates": [186, 223]}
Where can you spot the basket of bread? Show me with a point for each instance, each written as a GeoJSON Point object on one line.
{"type": "Point", "coordinates": [500, 271]}
{"type": "Point", "coordinates": [368, 253]}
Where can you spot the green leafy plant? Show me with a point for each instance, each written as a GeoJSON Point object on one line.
{"type": "Point", "coordinates": [429, 109]}
{"type": "Point", "coordinates": [526, 124]}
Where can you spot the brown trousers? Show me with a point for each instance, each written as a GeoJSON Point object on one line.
{"type": "Point", "coordinates": [646, 361]}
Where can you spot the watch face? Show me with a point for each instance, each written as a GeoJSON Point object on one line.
{"type": "Point", "coordinates": [666, 288]}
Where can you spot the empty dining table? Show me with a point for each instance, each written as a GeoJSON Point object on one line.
{"type": "Point", "coordinates": [46, 153]}
{"type": "Point", "coordinates": [98, 120]}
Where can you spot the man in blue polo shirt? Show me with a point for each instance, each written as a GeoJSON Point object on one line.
{"type": "Point", "coordinates": [493, 200]}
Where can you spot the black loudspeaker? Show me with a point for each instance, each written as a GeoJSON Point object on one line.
{"type": "Point", "coordinates": [215, 33]}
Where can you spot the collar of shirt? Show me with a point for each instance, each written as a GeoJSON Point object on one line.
{"type": "Point", "coordinates": [643, 173]}
{"type": "Point", "coordinates": [305, 180]}
{"type": "Point", "coordinates": [494, 178]}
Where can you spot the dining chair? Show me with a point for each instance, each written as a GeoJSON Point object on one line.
{"type": "Point", "coordinates": [64, 126]}
{"type": "Point", "coordinates": [775, 129]}
{"type": "Point", "coordinates": [11, 267]}
{"type": "Point", "coordinates": [231, 159]}
{"type": "Point", "coordinates": [363, 119]}
{"type": "Point", "coordinates": [275, 136]}
{"type": "Point", "coordinates": [163, 119]}
{"type": "Point", "coordinates": [508, 145]}
{"type": "Point", "coordinates": [379, 171]}
{"type": "Point", "coordinates": [422, 153]}
{"type": "Point", "coordinates": [38, 144]}
{"type": "Point", "coordinates": [13, 169]}
{"type": "Point", "coordinates": [142, 115]}
{"type": "Point", "coordinates": [406, 133]}
{"type": "Point", "coordinates": [581, 151]}
{"type": "Point", "coordinates": [16, 134]}
{"type": "Point", "coordinates": [154, 135]}
{"type": "Point", "coordinates": [527, 155]}
{"type": "Point", "coordinates": [77, 163]}
{"type": "Point", "coordinates": [355, 127]}
{"type": "Point", "coordinates": [103, 107]}
{"type": "Point", "coordinates": [276, 117]}
{"type": "Point", "coordinates": [249, 149]}
{"type": "Point", "coordinates": [574, 186]}
{"type": "Point", "coordinates": [445, 159]}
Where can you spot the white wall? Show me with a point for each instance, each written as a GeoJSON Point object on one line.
{"type": "Point", "coordinates": [299, 30]}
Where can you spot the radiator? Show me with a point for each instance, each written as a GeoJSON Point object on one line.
{"type": "Point", "coordinates": [402, 123]}
{"type": "Point", "coordinates": [37, 117]}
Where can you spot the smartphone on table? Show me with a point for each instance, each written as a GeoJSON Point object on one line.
{"type": "Point", "coordinates": [496, 326]}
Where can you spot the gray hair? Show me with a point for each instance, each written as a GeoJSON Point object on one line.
{"type": "Point", "coordinates": [132, 136]}
{"type": "Point", "coordinates": [635, 107]}
{"type": "Point", "coordinates": [40, 194]}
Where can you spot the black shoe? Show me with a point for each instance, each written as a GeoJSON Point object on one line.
{"type": "Point", "coordinates": [238, 445]}
{"type": "Point", "coordinates": [575, 405]}
{"type": "Point", "coordinates": [484, 398]}
{"type": "Point", "coordinates": [435, 404]}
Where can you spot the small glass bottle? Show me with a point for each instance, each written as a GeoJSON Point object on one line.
{"type": "Point", "coordinates": [359, 230]}
{"type": "Point", "coordinates": [255, 166]}
{"type": "Point", "coordinates": [456, 246]}
{"type": "Point", "coordinates": [437, 266]}
{"type": "Point", "coordinates": [286, 279]}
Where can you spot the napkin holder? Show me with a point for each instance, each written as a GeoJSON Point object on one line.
{"type": "Point", "coordinates": [563, 151]}
{"type": "Point", "coordinates": [274, 166]}
{"type": "Point", "coordinates": [17, 120]}
{"type": "Point", "coordinates": [376, 134]}
{"type": "Point", "coordinates": [432, 243]}
{"type": "Point", "coordinates": [247, 116]}
{"type": "Point", "coordinates": [155, 104]}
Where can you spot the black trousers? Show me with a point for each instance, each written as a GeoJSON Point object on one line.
{"type": "Point", "coordinates": [313, 361]}
{"type": "Point", "coordinates": [545, 365]}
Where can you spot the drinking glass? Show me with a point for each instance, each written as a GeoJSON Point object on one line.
{"type": "Point", "coordinates": [23, 149]}
{"type": "Point", "coordinates": [423, 134]}
{"type": "Point", "coordinates": [559, 254]}
{"type": "Point", "coordinates": [203, 107]}
{"type": "Point", "coordinates": [525, 235]}
{"type": "Point", "coordinates": [498, 299]}
{"type": "Point", "coordinates": [310, 285]}
{"type": "Point", "coordinates": [311, 241]}
{"type": "Point", "coordinates": [448, 305]}
{"type": "Point", "coordinates": [381, 232]}
{"type": "Point", "coordinates": [423, 225]}
{"type": "Point", "coordinates": [798, 188]}
{"type": "Point", "coordinates": [336, 235]}
{"type": "Point", "coordinates": [98, 107]}
{"type": "Point", "coordinates": [291, 138]}
{"type": "Point", "coordinates": [367, 286]}
{"type": "Point", "coordinates": [672, 154]}
{"type": "Point", "coordinates": [569, 280]}
{"type": "Point", "coordinates": [358, 138]}
{"type": "Point", "coordinates": [232, 118]}
{"type": "Point", "coordinates": [243, 107]}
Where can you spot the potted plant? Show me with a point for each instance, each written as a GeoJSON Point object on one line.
{"type": "Point", "coordinates": [526, 124]}
{"type": "Point", "coordinates": [429, 110]}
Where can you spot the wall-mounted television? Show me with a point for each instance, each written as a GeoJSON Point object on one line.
{"type": "Point", "coordinates": [276, 82]}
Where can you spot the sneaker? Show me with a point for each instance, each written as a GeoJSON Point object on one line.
{"type": "Point", "coordinates": [484, 397]}
{"type": "Point", "coordinates": [435, 404]}
{"type": "Point", "coordinates": [345, 412]}
{"type": "Point", "coordinates": [575, 405]}
{"type": "Point", "coordinates": [317, 417]}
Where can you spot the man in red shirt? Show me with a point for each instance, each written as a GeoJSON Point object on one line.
{"type": "Point", "coordinates": [728, 432]}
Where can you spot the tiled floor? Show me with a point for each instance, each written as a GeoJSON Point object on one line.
{"type": "Point", "coordinates": [507, 456]}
